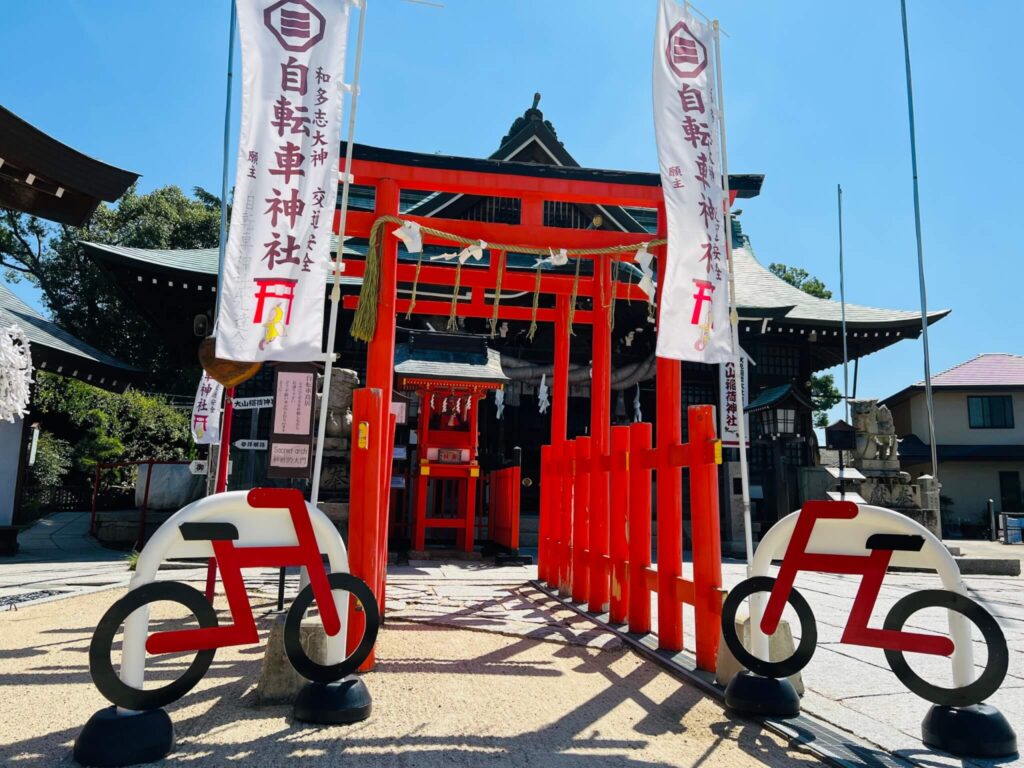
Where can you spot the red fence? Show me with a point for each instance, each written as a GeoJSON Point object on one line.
{"type": "Point", "coordinates": [590, 556]}
{"type": "Point", "coordinates": [503, 507]}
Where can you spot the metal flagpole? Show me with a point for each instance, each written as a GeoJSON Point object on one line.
{"type": "Point", "coordinates": [842, 304]}
{"type": "Point", "coordinates": [734, 318]}
{"type": "Point", "coordinates": [332, 327]}
{"type": "Point", "coordinates": [920, 263]}
{"type": "Point", "coordinates": [224, 445]}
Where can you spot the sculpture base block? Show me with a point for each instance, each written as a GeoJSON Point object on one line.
{"type": "Point", "coordinates": [111, 740]}
{"type": "Point", "coordinates": [751, 694]}
{"type": "Point", "coordinates": [980, 730]}
{"type": "Point", "coordinates": [346, 701]}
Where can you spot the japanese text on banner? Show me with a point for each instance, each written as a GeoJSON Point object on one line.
{"type": "Point", "coordinates": [694, 312]}
{"type": "Point", "coordinates": [206, 411]}
{"type": "Point", "coordinates": [278, 252]}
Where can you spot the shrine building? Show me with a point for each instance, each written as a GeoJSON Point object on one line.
{"type": "Point", "coordinates": [788, 335]}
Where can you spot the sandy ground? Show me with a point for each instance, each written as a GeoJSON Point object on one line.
{"type": "Point", "coordinates": [442, 696]}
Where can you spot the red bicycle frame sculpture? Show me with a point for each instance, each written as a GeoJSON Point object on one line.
{"type": "Point", "coordinates": [231, 560]}
{"type": "Point", "coordinates": [885, 536]}
{"type": "Point", "coordinates": [872, 567]}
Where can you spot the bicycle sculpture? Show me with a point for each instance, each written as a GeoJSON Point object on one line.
{"type": "Point", "coordinates": [841, 538]}
{"type": "Point", "coordinates": [267, 527]}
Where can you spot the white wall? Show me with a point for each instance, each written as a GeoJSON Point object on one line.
{"type": "Point", "coordinates": [10, 444]}
{"type": "Point", "coordinates": [951, 422]}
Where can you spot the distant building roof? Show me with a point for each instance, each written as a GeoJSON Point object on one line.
{"type": "Point", "coordinates": [775, 395]}
{"type": "Point", "coordinates": [757, 289]}
{"type": "Point", "coordinates": [57, 351]}
{"type": "Point", "coordinates": [43, 177]}
{"type": "Point", "coordinates": [199, 261]}
{"type": "Point", "coordinates": [989, 370]}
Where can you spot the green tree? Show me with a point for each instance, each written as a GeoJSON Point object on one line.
{"type": "Point", "coordinates": [800, 278]}
{"type": "Point", "coordinates": [824, 393]}
{"type": "Point", "coordinates": [104, 426]}
{"type": "Point", "coordinates": [81, 298]}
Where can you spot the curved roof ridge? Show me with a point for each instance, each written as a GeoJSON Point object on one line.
{"type": "Point", "coordinates": [757, 286]}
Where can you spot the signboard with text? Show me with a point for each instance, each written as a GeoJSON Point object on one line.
{"type": "Point", "coordinates": [291, 430]}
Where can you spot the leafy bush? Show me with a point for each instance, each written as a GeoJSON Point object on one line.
{"type": "Point", "coordinates": [53, 461]}
{"type": "Point", "coordinates": [100, 426]}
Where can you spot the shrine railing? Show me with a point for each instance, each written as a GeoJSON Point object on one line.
{"type": "Point", "coordinates": [503, 505]}
{"type": "Point", "coordinates": [578, 551]}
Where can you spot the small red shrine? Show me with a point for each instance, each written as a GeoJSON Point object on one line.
{"type": "Point", "coordinates": [450, 374]}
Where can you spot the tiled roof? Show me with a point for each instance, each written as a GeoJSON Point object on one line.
{"type": "Point", "coordinates": [758, 289]}
{"type": "Point", "coordinates": [44, 333]}
{"type": "Point", "coordinates": [202, 261]}
{"type": "Point", "coordinates": [989, 369]}
{"type": "Point", "coordinates": [448, 364]}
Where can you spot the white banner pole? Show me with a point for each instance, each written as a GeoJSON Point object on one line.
{"type": "Point", "coordinates": [734, 318]}
{"type": "Point", "coordinates": [332, 326]}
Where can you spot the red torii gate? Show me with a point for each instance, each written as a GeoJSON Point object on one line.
{"type": "Point", "coordinates": [389, 172]}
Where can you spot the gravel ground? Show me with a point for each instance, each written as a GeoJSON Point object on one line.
{"type": "Point", "coordinates": [442, 696]}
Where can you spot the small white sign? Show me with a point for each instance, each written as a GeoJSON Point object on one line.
{"type": "Point", "coordinates": [199, 467]}
{"type": "Point", "coordinates": [249, 403]}
{"type": "Point", "coordinates": [251, 445]}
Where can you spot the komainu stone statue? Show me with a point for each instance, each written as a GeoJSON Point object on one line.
{"type": "Point", "coordinates": [877, 446]}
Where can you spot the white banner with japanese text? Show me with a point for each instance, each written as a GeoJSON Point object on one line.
{"type": "Point", "coordinates": [694, 313]}
{"type": "Point", "coordinates": [206, 411]}
{"type": "Point", "coordinates": [278, 251]}
{"type": "Point", "coordinates": [733, 390]}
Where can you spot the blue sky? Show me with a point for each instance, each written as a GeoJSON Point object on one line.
{"type": "Point", "coordinates": [815, 96]}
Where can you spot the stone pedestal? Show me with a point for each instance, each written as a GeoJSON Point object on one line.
{"type": "Point", "coordinates": [781, 646]}
{"type": "Point", "coordinates": [279, 683]}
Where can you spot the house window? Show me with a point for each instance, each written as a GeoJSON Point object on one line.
{"type": "Point", "coordinates": [990, 412]}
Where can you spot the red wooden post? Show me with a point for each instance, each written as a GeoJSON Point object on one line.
{"type": "Point", "coordinates": [560, 383]}
{"type": "Point", "coordinates": [380, 364]}
{"type": "Point", "coordinates": [363, 520]}
{"type": "Point", "coordinates": [581, 522]}
{"type": "Point", "coordinates": [95, 495]}
{"type": "Point", "coordinates": [600, 431]}
{"type": "Point", "coordinates": [515, 482]}
{"type": "Point", "coordinates": [380, 588]}
{"type": "Point", "coordinates": [670, 485]}
{"type": "Point", "coordinates": [419, 525]}
{"type": "Point", "coordinates": [707, 546]}
{"type": "Point", "coordinates": [547, 509]}
{"type": "Point", "coordinates": [145, 508]}
{"type": "Point", "coordinates": [467, 501]}
{"type": "Point", "coordinates": [221, 484]}
{"type": "Point", "coordinates": [566, 511]}
{"type": "Point", "coordinates": [618, 531]}
{"type": "Point", "coordinates": [639, 527]}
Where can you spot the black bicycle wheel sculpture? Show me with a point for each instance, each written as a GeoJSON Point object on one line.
{"type": "Point", "coordinates": [102, 669]}
{"type": "Point", "coordinates": [998, 657]}
{"type": "Point", "coordinates": [808, 630]}
{"type": "Point", "coordinates": [329, 673]}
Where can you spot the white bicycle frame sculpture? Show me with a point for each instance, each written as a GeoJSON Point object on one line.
{"type": "Point", "coordinates": [257, 527]}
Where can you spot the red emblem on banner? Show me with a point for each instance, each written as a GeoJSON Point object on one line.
{"type": "Point", "coordinates": [296, 24]}
{"type": "Point", "coordinates": [686, 54]}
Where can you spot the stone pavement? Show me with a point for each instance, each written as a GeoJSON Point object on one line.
{"type": "Point", "coordinates": [849, 687]}
{"type": "Point", "coordinates": [57, 559]}
{"type": "Point", "coordinates": [853, 687]}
